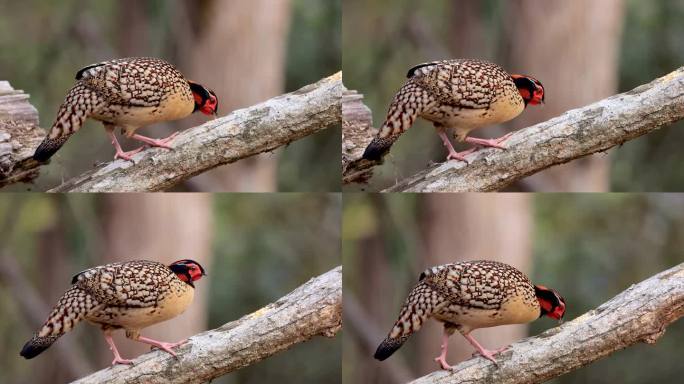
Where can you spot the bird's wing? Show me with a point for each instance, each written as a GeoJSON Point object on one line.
{"type": "Point", "coordinates": [130, 284]}
{"type": "Point", "coordinates": [469, 285]}
{"type": "Point", "coordinates": [465, 84]}
{"type": "Point", "coordinates": [137, 82]}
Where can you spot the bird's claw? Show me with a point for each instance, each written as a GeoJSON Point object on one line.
{"type": "Point", "coordinates": [122, 361]}
{"type": "Point", "coordinates": [442, 363]}
{"type": "Point", "coordinates": [128, 156]}
{"type": "Point", "coordinates": [493, 143]}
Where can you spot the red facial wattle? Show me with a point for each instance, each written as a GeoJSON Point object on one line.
{"type": "Point", "coordinates": [195, 272]}
{"type": "Point", "coordinates": [209, 106]}
{"type": "Point", "coordinates": [537, 98]}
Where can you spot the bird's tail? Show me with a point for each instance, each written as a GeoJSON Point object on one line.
{"type": "Point", "coordinates": [407, 105]}
{"type": "Point", "coordinates": [70, 309]}
{"type": "Point", "coordinates": [418, 307]}
{"type": "Point", "coordinates": [80, 103]}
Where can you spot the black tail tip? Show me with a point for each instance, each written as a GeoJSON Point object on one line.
{"type": "Point", "coordinates": [377, 149]}
{"type": "Point", "coordinates": [387, 348]}
{"type": "Point", "coordinates": [37, 345]}
{"type": "Point", "coordinates": [48, 147]}
{"type": "Point", "coordinates": [42, 154]}
{"type": "Point", "coordinates": [32, 350]}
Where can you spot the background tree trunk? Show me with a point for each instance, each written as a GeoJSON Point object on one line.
{"type": "Point", "coordinates": [165, 228]}
{"type": "Point", "coordinates": [235, 41]}
{"type": "Point", "coordinates": [471, 226]}
{"type": "Point", "coordinates": [584, 71]}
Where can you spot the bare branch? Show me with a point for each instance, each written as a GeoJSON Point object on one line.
{"type": "Point", "coordinates": [576, 133]}
{"type": "Point", "coordinates": [19, 136]}
{"type": "Point", "coordinates": [639, 314]}
{"type": "Point", "coordinates": [313, 309]}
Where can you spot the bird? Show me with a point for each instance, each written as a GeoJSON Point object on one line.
{"type": "Point", "coordinates": [458, 94]}
{"type": "Point", "coordinates": [127, 93]}
{"type": "Point", "coordinates": [468, 295]}
{"type": "Point", "coordinates": [129, 295]}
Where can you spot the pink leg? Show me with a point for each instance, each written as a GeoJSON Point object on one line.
{"type": "Point", "coordinates": [168, 347]}
{"type": "Point", "coordinates": [112, 347]}
{"type": "Point", "coordinates": [441, 359]}
{"type": "Point", "coordinates": [487, 354]}
{"type": "Point", "coordinates": [120, 154]}
{"type": "Point", "coordinates": [163, 143]}
{"type": "Point", "coordinates": [495, 143]}
{"type": "Point", "coordinates": [452, 152]}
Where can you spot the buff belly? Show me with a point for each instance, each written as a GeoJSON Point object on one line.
{"type": "Point", "coordinates": [512, 311]}
{"type": "Point", "coordinates": [463, 120]}
{"type": "Point", "coordinates": [130, 118]}
{"type": "Point", "coordinates": [139, 318]}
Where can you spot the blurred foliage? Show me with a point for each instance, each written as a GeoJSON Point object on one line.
{"type": "Point", "coordinates": [265, 245]}
{"type": "Point", "coordinates": [589, 247]}
{"type": "Point", "coordinates": [404, 35]}
{"type": "Point", "coordinates": [314, 52]}
{"type": "Point", "coordinates": [43, 43]}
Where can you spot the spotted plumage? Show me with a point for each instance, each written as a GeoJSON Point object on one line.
{"type": "Point", "coordinates": [469, 295]}
{"type": "Point", "coordinates": [127, 93]}
{"type": "Point", "coordinates": [462, 95]}
{"type": "Point", "coordinates": [128, 295]}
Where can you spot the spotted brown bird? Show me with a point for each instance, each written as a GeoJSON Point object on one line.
{"type": "Point", "coordinates": [469, 295]}
{"type": "Point", "coordinates": [462, 95]}
{"type": "Point", "coordinates": [129, 295]}
{"type": "Point", "coordinates": [127, 93]}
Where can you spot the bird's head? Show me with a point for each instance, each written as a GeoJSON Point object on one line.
{"type": "Point", "coordinates": [187, 270]}
{"type": "Point", "coordinates": [551, 303]}
{"type": "Point", "coordinates": [205, 99]}
{"type": "Point", "coordinates": [531, 90]}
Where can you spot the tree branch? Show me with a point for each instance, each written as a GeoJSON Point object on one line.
{"type": "Point", "coordinates": [576, 133]}
{"type": "Point", "coordinates": [19, 136]}
{"type": "Point", "coordinates": [313, 309]}
{"type": "Point", "coordinates": [639, 314]}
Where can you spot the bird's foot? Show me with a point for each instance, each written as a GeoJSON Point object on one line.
{"type": "Point", "coordinates": [119, 360]}
{"type": "Point", "coordinates": [168, 347]}
{"type": "Point", "coordinates": [441, 359]}
{"type": "Point", "coordinates": [494, 143]}
{"type": "Point", "coordinates": [489, 354]}
{"type": "Point", "coordinates": [161, 143]}
{"type": "Point", "coordinates": [126, 155]}
{"type": "Point", "coordinates": [460, 155]}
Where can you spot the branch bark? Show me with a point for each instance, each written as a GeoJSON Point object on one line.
{"type": "Point", "coordinates": [313, 309]}
{"type": "Point", "coordinates": [574, 134]}
{"type": "Point", "coordinates": [639, 314]}
{"type": "Point", "coordinates": [19, 136]}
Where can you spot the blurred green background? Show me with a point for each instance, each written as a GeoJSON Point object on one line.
{"type": "Point", "coordinates": [246, 51]}
{"type": "Point", "coordinates": [255, 249]}
{"type": "Point", "coordinates": [589, 247]}
{"type": "Point", "coordinates": [582, 51]}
